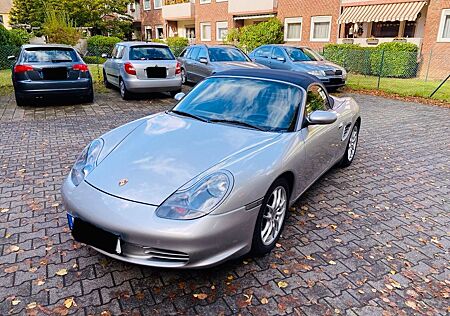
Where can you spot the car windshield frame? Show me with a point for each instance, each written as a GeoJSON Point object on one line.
{"type": "Point", "coordinates": [202, 89]}
{"type": "Point", "coordinates": [166, 48]}
{"type": "Point", "coordinates": [71, 53]}
{"type": "Point", "coordinates": [306, 52]}
{"type": "Point", "coordinates": [246, 58]}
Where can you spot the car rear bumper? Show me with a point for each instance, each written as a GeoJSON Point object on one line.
{"type": "Point", "coordinates": [153, 85]}
{"type": "Point", "coordinates": [202, 242]}
{"type": "Point", "coordinates": [42, 88]}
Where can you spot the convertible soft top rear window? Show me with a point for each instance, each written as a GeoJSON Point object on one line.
{"type": "Point", "coordinates": [269, 105]}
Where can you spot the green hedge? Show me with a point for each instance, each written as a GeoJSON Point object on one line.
{"type": "Point", "coordinates": [98, 44]}
{"type": "Point", "coordinates": [6, 51]}
{"type": "Point", "coordinates": [94, 59]}
{"type": "Point", "coordinates": [177, 44]}
{"type": "Point", "coordinates": [399, 60]}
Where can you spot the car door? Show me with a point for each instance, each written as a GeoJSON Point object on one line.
{"type": "Point", "coordinates": [321, 141]}
{"type": "Point", "coordinates": [262, 55]}
{"type": "Point", "coordinates": [190, 63]}
{"type": "Point", "coordinates": [279, 59]}
{"type": "Point", "coordinates": [112, 66]}
{"type": "Point", "coordinates": [203, 66]}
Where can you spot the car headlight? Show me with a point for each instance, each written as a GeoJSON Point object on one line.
{"type": "Point", "coordinates": [86, 162]}
{"type": "Point", "coordinates": [319, 73]}
{"type": "Point", "coordinates": [344, 74]}
{"type": "Point", "coordinates": [199, 199]}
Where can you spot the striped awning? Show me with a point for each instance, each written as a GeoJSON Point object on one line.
{"type": "Point", "coordinates": [405, 11]}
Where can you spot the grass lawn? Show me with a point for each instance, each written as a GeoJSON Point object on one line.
{"type": "Point", "coordinates": [406, 87]}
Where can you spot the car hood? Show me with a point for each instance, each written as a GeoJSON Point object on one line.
{"type": "Point", "coordinates": [317, 65]}
{"type": "Point", "coordinates": [166, 152]}
{"type": "Point", "coordinates": [227, 65]}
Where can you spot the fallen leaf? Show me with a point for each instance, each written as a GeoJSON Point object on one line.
{"type": "Point", "coordinates": [338, 240]}
{"type": "Point", "coordinates": [201, 296]}
{"type": "Point", "coordinates": [230, 277]}
{"type": "Point", "coordinates": [140, 296]}
{"type": "Point", "coordinates": [395, 284]}
{"type": "Point", "coordinates": [310, 258]}
{"type": "Point", "coordinates": [69, 302]}
{"type": "Point", "coordinates": [55, 204]}
{"type": "Point", "coordinates": [411, 304]}
{"type": "Point", "coordinates": [264, 301]}
{"type": "Point", "coordinates": [248, 298]}
{"type": "Point", "coordinates": [105, 313]}
{"type": "Point", "coordinates": [11, 269]}
{"type": "Point", "coordinates": [40, 282]}
{"type": "Point", "coordinates": [31, 305]}
{"type": "Point", "coordinates": [14, 248]}
{"type": "Point", "coordinates": [122, 182]}
{"type": "Point", "coordinates": [4, 210]}
{"type": "Point", "coordinates": [61, 272]}
{"type": "Point", "coordinates": [32, 269]}
{"type": "Point", "coordinates": [15, 302]}
{"type": "Point", "coordinates": [332, 262]}
{"type": "Point", "coordinates": [278, 245]}
{"type": "Point", "coordinates": [393, 272]}
{"type": "Point", "coordinates": [282, 284]}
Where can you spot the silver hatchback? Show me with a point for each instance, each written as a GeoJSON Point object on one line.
{"type": "Point", "coordinates": [141, 67]}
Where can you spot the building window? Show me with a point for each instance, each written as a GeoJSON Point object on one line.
{"type": "Point", "coordinates": [147, 5]}
{"type": "Point", "coordinates": [444, 27]}
{"type": "Point", "coordinates": [410, 28]}
{"type": "Point", "coordinates": [320, 28]}
{"type": "Point", "coordinates": [293, 29]}
{"type": "Point", "coordinates": [157, 4]}
{"type": "Point", "coordinates": [205, 32]}
{"type": "Point", "coordinates": [159, 31]}
{"type": "Point", "coordinates": [1, 19]}
{"type": "Point", "coordinates": [148, 33]}
{"type": "Point", "coordinates": [205, 1]}
{"type": "Point", "coordinates": [222, 30]}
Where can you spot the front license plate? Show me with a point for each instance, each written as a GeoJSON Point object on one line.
{"type": "Point", "coordinates": [92, 235]}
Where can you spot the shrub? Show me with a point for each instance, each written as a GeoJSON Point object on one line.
{"type": "Point", "coordinates": [94, 59]}
{"type": "Point", "coordinates": [19, 37]}
{"type": "Point", "coordinates": [177, 44]}
{"type": "Point", "coordinates": [59, 28]}
{"type": "Point", "coordinates": [252, 36]}
{"type": "Point", "coordinates": [400, 59]}
{"type": "Point", "coordinates": [98, 44]}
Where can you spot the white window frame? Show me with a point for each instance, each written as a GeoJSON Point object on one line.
{"type": "Point", "coordinates": [155, 7]}
{"type": "Point", "coordinates": [160, 26]}
{"type": "Point", "coordinates": [222, 25]}
{"type": "Point", "coordinates": [318, 19]}
{"type": "Point", "coordinates": [149, 5]}
{"type": "Point", "coordinates": [203, 39]}
{"type": "Point", "coordinates": [204, 1]}
{"type": "Point", "coordinates": [220, 0]}
{"type": "Point", "coordinates": [288, 21]}
{"type": "Point", "coordinates": [440, 38]}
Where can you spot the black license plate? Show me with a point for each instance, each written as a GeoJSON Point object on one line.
{"type": "Point", "coordinates": [336, 80]}
{"type": "Point", "coordinates": [156, 72]}
{"type": "Point", "coordinates": [59, 73]}
{"type": "Point", "coordinates": [92, 235]}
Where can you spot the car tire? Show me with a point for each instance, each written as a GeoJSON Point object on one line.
{"type": "Point", "coordinates": [20, 101]}
{"type": "Point", "coordinates": [350, 150]}
{"type": "Point", "coordinates": [89, 98]}
{"type": "Point", "coordinates": [262, 245]}
{"type": "Point", "coordinates": [184, 78]}
{"type": "Point", "coordinates": [106, 82]}
{"type": "Point", "coordinates": [124, 93]}
{"type": "Point", "coordinates": [174, 93]}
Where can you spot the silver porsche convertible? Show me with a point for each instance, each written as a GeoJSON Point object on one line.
{"type": "Point", "coordinates": [213, 178]}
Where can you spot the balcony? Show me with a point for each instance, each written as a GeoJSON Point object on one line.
{"type": "Point", "coordinates": [239, 7]}
{"type": "Point", "coordinates": [177, 10]}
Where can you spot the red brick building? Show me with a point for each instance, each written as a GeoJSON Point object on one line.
{"type": "Point", "coordinates": [425, 23]}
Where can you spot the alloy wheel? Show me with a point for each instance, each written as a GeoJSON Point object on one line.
{"type": "Point", "coordinates": [353, 142]}
{"type": "Point", "coordinates": [274, 214]}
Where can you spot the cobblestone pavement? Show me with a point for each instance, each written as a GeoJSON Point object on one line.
{"type": "Point", "coordinates": [371, 239]}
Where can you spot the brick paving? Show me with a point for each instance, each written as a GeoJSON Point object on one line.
{"type": "Point", "coordinates": [372, 239]}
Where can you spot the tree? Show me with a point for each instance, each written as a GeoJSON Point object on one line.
{"type": "Point", "coordinates": [58, 27]}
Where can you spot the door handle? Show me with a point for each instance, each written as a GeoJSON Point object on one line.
{"type": "Point", "coordinates": [340, 125]}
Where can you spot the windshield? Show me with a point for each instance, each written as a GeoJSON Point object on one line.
{"type": "Point", "coordinates": [302, 54]}
{"type": "Point", "coordinates": [226, 54]}
{"type": "Point", "coordinates": [267, 105]}
{"type": "Point", "coordinates": [42, 55]}
{"type": "Point", "coordinates": [150, 53]}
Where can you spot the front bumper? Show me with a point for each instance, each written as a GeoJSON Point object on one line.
{"type": "Point", "coordinates": [333, 82]}
{"type": "Point", "coordinates": [44, 88]}
{"type": "Point", "coordinates": [152, 85]}
{"type": "Point", "coordinates": [152, 241]}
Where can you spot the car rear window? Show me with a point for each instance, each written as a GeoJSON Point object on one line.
{"type": "Point", "coordinates": [150, 53]}
{"type": "Point", "coordinates": [45, 54]}
{"type": "Point", "coordinates": [226, 54]}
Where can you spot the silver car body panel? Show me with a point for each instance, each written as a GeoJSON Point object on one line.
{"type": "Point", "coordinates": [164, 152]}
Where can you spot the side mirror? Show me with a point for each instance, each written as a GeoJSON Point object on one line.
{"type": "Point", "coordinates": [11, 57]}
{"type": "Point", "coordinates": [179, 96]}
{"type": "Point", "coordinates": [322, 118]}
{"type": "Point", "coordinates": [104, 55]}
{"type": "Point", "coordinates": [203, 60]}
{"type": "Point", "coordinates": [282, 59]}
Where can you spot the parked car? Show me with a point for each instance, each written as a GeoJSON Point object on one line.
{"type": "Point", "coordinates": [301, 59]}
{"type": "Point", "coordinates": [201, 61]}
{"type": "Point", "coordinates": [141, 67]}
{"type": "Point", "coordinates": [213, 178]}
{"type": "Point", "coordinates": [49, 70]}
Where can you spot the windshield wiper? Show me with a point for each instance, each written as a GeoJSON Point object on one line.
{"type": "Point", "coordinates": [238, 123]}
{"type": "Point", "coordinates": [190, 115]}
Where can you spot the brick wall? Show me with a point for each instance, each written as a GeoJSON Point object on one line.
{"type": "Point", "coordinates": [151, 18]}
{"type": "Point", "coordinates": [439, 66]}
{"type": "Point", "coordinates": [211, 12]}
